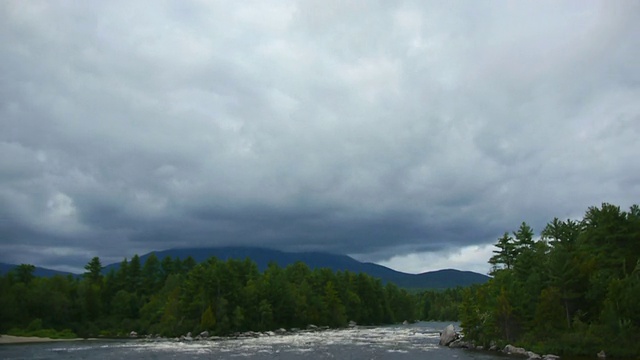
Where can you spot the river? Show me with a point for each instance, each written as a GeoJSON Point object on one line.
{"type": "Point", "coordinates": [415, 341]}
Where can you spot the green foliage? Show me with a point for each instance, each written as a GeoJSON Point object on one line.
{"type": "Point", "coordinates": [439, 305]}
{"type": "Point", "coordinates": [505, 255]}
{"type": "Point", "coordinates": [335, 312]}
{"type": "Point", "coordinates": [565, 292]}
{"type": "Point", "coordinates": [35, 325]}
{"type": "Point", "coordinates": [24, 273]}
{"type": "Point", "coordinates": [122, 305]}
{"type": "Point", "coordinates": [172, 297]}
{"type": "Point", "coordinates": [45, 333]}
{"type": "Point", "coordinates": [152, 278]}
{"type": "Point", "coordinates": [94, 271]}
{"type": "Point", "coordinates": [134, 275]}
{"type": "Point", "coordinates": [208, 320]}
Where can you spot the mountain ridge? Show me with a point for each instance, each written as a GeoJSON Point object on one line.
{"type": "Point", "coordinates": [437, 279]}
{"type": "Point", "coordinates": [38, 271]}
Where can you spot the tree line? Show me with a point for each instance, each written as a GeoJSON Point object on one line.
{"type": "Point", "coordinates": [573, 290]}
{"type": "Point", "coordinates": [171, 297]}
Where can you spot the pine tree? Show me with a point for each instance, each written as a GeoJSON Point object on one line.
{"type": "Point", "coordinates": [151, 275]}
{"type": "Point", "coordinates": [505, 255]}
{"type": "Point", "coordinates": [94, 271]}
{"type": "Point", "coordinates": [134, 276]}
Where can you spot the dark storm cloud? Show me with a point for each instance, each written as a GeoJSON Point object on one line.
{"type": "Point", "coordinates": [371, 128]}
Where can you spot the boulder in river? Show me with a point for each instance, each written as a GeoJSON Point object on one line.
{"type": "Point", "coordinates": [601, 354]}
{"type": "Point", "coordinates": [448, 335]}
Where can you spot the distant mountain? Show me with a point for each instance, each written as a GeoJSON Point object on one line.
{"type": "Point", "coordinates": [440, 279]}
{"type": "Point", "coordinates": [39, 271]}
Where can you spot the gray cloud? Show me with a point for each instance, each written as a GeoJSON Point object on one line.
{"type": "Point", "coordinates": [371, 128]}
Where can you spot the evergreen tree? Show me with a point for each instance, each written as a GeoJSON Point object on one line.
{"type": "Point", "coordinates": [134, 275]}
{"type": "Point", "coordinates": [523, 237]}
{"type": "Point", "coordinates": [167, 267]}
{"type": "Point", "coordinates": [94, 271]}
{"type": "Point", "coordinates": [505, 255]}
{"type": "Point", "coordinates": [335, 314]}
{"type": "Point", "coordinates": [151, 275]}
{"type": "Point", "coordinates": [24, 273]}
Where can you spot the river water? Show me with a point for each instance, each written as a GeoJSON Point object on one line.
{"type": "Point", "coordinates": [415, 341]}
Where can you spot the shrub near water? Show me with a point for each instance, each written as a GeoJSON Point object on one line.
{"type": "Point", "coordinates": [35, 329]}
{"type": "Point", "coordinates": [44, 333]}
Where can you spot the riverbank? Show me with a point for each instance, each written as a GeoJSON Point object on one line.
{"type": "Point", "coordinates": [416, 341]}
{"type": "Point", "coordinates": [10, 339]}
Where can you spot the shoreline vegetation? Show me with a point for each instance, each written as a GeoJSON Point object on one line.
{"type": "Point", "coordinates": [176, 296]}
{"type": "Point", "coordinates": [573, 291]}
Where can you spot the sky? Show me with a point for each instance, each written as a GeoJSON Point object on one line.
{"type": "Point", "coordinates": [412, 134]}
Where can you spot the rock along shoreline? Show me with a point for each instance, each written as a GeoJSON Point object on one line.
{"type": "Point", "coordinates": [205, 336]}
{"type": "Point", "coordinates": [450, 338]}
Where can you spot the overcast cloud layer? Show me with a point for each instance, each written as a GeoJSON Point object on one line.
{"type": "Point", "coordinates": [411, 134]}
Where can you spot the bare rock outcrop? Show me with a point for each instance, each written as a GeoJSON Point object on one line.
{"type": "Point", "coordinates": [448, 335]}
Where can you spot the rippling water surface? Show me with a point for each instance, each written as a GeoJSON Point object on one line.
{"type": "Point", "coordinates": [416, 341]}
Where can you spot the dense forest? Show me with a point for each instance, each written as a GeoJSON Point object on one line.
{"type": "Point", "coordinates": [440, 304]}
{"type": "Point", "coordinates": [172, 297]}
{"type": "Point", "coordinates": [574, 290]}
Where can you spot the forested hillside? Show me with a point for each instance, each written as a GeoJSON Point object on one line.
{"type": "Point", "coordinates": [173, 296]}
{"type": "Point", "coordinates": [440, 279]}
{"type": "Point", "coordinates": [576, 290]}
